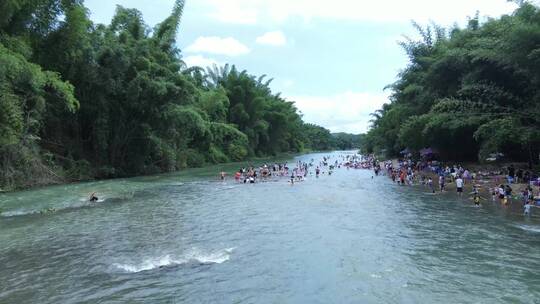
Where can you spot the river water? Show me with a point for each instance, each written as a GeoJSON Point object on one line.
{"type": "Point", "coordinates": [187, 238]}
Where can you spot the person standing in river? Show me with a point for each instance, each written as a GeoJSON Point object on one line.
{"type": "Point", "coordinates": [508, 194]}
{"type": "Point", "coordinates": [430, 185]}
{"type": "Point", "coordinates": [441, 182]}
{"type": "Point", "coordinates": [527, 208]}
{"type": "Point", "coordinates": [519, 176]}
{"type": "Point", "coordinates": [511, 174]}
{"type": "Point", "coordinates": [500, 192]}
{"type": "Point", "coordinates": [459, 185]}
{"type": "Point", "coordinates": [402, 177]}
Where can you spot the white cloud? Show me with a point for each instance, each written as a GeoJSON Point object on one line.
{"type": "Point", "coordinates": [276, 38]}
{"type": "Point", "coordinates": [345, 112]}
{"type": "Point", "coordinates": [235, 14]}
{"type": "Point", "coordinates": [200, 61]}
{"type": "Point", "coordinates": [217, 45]}
{"type": "Point", "coordinates": [445, 12]}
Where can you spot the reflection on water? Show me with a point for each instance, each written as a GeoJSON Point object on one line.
{"type": "Point", "coordinates": [186, 238]}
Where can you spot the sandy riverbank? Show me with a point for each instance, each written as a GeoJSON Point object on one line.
{"type": "Point", "coordinates": [483, 182]}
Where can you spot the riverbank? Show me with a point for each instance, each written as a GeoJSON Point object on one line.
{"type": "Point", "coordinates": [118, 190]}
{"type": "Point", "coordinates": [229, 167]}
{"type": "Point", "coordinates": [480, 178]}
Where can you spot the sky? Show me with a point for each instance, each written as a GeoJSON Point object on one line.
{"type": "Point", "coordinates": [332, 58]}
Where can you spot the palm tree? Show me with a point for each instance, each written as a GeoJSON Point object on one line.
{"type": "Point", "coordinates": [215, 75]}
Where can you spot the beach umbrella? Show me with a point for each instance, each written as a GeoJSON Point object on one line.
{"type": "Point", "coordinates": [426, 152]}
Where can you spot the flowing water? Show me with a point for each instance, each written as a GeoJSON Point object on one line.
{"type": "Point", "coordinates": [187, 238]}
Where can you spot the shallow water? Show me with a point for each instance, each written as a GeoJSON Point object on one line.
{"type": "Point", "coordinates": [185, 238]}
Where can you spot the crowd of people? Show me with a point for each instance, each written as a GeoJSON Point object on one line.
{"type": "Point", "coordinates": [436, 177]}
{"type": "Point", "coordinates": [266, 172]}
{"type": "Point", "coordinates": [296, 172]}
{"type": "Point", "coordinates": [433, 175]}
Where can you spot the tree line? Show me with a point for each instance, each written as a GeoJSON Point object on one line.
{"type": "Point", "coordinates": [82, 100]}
{"type": "Point", "coordinates": [467, 92]}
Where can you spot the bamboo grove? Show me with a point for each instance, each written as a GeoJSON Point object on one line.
{"type": "Point", "coordinates": [81, 100]}
{"type": "Point", "coordinates": [467, 92]}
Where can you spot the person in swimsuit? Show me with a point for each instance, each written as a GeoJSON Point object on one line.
{"type": "Point", "coordinates": [93, 197]}
{"type": "Point", "coordinates": [402, 178]}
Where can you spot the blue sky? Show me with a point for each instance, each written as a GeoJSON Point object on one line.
{"type": "Point", "coordinates": [333, 58]}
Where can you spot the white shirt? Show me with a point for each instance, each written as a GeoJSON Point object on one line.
{"type": "Point", "coordinates": [459, 183]}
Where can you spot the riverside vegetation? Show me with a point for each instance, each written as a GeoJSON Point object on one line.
{"type": "Point", "coordinates": [467, 92]}
{"type": "Point", "coordinates": [81, 100]}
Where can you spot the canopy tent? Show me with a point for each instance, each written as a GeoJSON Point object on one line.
{"type": "Point", "coordinates": [427, 152]}
{"type": "Point", "coordinates": [494, 157]}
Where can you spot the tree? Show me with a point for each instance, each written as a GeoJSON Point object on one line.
{"type": "Point", "coordinates": [468, 93]}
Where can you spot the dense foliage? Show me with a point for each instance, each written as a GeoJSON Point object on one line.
{"type": "Point", "coordinates": [81, 100]}
{"type": "Point", "coordinates": [347, 141]}
{"type": "Point", "coordinates": [467, 92]}
{"type": "Point", "coordinates": [318, 138]}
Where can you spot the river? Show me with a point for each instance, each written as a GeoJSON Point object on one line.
{"type": "Point", "coordinates": [187, 238]}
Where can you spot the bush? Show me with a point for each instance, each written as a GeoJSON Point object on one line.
{"type": "Point", "coordinates": [237, 153]}
{"type": "Point", "coordinates": [194, 158]}
{"type": "Point", "coordinates": [216, 156]}
{"type": "Point", "coordinates": [79, 170]}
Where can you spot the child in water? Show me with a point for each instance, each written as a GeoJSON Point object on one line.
{"type": "Point", "coordinates": [476, 200]}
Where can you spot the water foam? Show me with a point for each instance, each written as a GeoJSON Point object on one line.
{"type": "Point", "coordinates": [47, 210]}
{"type": "Point", "coordinates": [529, 228]}
{"type": "Point", "coordinates": [66, 205]}
{"type": "Point", "coordinates": [18, 213]}
{"type": "Point", "coordinates": [192, 257]}
{"type": "Point", "coordinates": [150, 264]}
